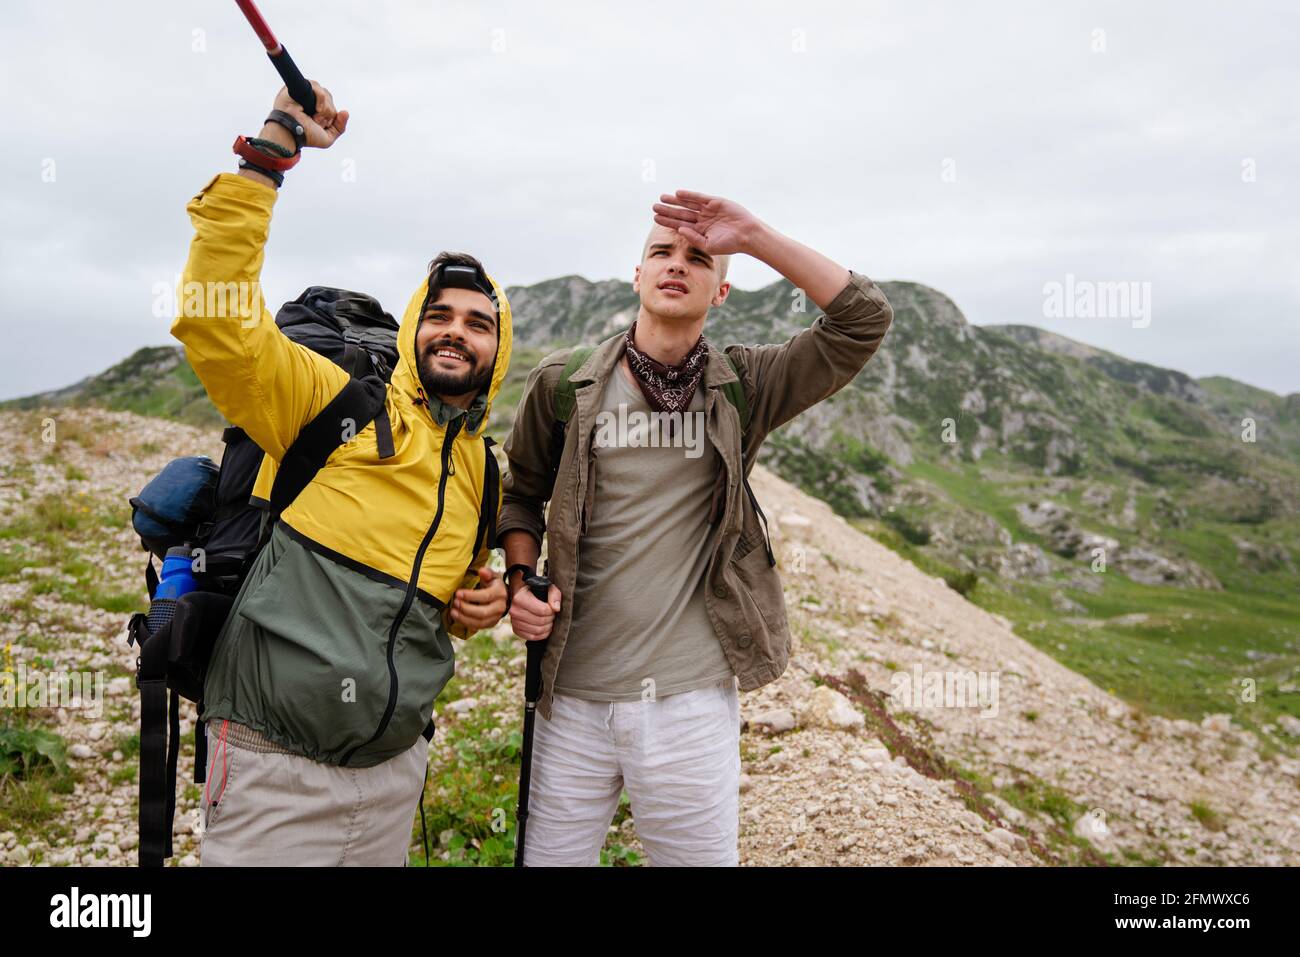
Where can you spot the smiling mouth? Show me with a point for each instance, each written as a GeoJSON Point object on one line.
{"type": "Point", "coordinates": [451, 355]}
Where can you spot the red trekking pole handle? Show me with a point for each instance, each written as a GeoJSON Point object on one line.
{"type": "Point", "coordinates": [299, 88]}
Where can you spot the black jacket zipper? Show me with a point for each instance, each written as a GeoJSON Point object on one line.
{"type": "Point", "coordinates": [412, 585]}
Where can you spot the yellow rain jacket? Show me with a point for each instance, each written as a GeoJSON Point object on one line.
{"type": "Point", "coordinates": [338, 642]}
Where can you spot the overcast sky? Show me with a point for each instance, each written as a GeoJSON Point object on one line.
{"type": "Point", "coordinates": [984, 149]}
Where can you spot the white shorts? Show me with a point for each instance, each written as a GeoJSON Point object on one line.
{"type": "Point", "coordinates": [678, 758]}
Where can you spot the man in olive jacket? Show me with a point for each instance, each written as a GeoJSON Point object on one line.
{"type": "Point", "coordinates": [665, 593]}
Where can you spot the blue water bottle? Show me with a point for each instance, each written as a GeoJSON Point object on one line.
{"type": "Point", "coordinates": [177, 579]}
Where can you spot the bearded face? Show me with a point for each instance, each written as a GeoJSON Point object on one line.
{"type": "Point", "coordinates": [447, 369]}
{"type": "Point", "coordinates": [456, 345]}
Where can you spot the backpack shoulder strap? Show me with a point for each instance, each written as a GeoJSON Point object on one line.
{"type": "Point", "coordinates": [564, 399]}
{"type": "Point", "coordinates": [361, 401]}
{"type": "Point", "coordinates": [487, 513]}
{"type": "Point", "coordinates": [735, 393]}
{"type": "Point", "coordinates": [565, 393]}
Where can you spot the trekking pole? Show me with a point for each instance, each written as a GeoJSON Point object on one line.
{"type": "Point", "coordinates": [540, 586]}
{"type": "Point", "coordinates": [297, 84]}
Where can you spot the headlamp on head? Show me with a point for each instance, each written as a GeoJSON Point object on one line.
{"type": "Point", "coordinates": [456, 276]}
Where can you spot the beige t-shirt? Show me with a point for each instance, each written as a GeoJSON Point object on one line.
{"type": "Point", "coordinates": [640, 627]}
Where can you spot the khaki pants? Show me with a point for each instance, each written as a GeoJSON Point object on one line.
{"type": "Point", "coordinates": [262, 807]}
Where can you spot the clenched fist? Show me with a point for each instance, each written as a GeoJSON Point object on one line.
{"type": "Point", "coordinates": [530, 617]}
{"type": "Point", "coordinates": [322, 129]}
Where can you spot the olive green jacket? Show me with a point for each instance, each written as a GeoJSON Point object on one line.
{"type": "Point", "coordinates": [743, 590]}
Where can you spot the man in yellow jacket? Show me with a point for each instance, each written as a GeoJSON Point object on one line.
{"type": "Point", "coordinates": [319, 695]}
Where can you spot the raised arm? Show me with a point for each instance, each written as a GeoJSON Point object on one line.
{"type": "Point", "coordinates": [789, 377]}
{"type": "Point", "coordinates": [257, 378]}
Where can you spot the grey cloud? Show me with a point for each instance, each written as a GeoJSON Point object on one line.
{"type": "Point", "coordinates": [521, 132]}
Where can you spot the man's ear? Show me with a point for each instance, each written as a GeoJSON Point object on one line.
{"type": "Point", "coordinates": [636, 279]}
{"type": "Point", "coordinates": [721, 295]}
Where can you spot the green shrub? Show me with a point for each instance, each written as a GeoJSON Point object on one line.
{"type": "Point", "coordinates": [25, 752]}
{"type": "Point", "coordinates": [912, 532]}
{"type": "Point", "coordinates": [963, 583]}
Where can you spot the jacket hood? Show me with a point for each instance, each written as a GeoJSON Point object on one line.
{"type": "Point", "coordinates": [406, 377]}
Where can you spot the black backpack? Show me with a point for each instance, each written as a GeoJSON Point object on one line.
{"type": "Point", "coordinates": [352, 330]}
{"type": "Point", "coordinates": [231, 528]}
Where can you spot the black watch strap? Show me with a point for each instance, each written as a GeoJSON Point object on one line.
{"type": "Point", "coordinates": [519, 566]}
{"type": "Point", "coordinates": [291, 124]}
{"type": "Point", "coordinates": [275, 176]}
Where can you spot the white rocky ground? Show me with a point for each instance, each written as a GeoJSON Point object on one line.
{"type": "Point", "coordinates": [847, 776]}
{"type": "Point", "coordinates": [858, 606]}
